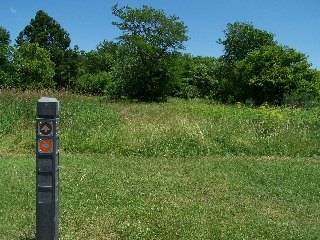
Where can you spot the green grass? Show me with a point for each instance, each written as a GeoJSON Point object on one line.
{"type": "Point", "coordinates": [176, 170]}
{"type": "Point", "coordinates": [109, 197]}
{"type": "Point", "coordinates": [175, 129]}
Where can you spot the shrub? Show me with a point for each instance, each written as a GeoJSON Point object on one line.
{"type": "Point", "coordinates": [93, 83]}
{"type": "Point", "coordinates": [33, 66]}
{"type": "Point", "coordinates": [200, 77]}
{"type": "Point", "coordinates": [301, 100]}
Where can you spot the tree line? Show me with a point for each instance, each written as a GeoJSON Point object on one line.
{"type": "Point", "coordinates": [145, 63]}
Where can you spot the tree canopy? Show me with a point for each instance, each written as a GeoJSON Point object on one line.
{"type": "Point", "coordinates": [4, 36]}
{"type": "Point", "coordinates": [241, 38]}
{"type": "Point", "coordinates": [49, 35]}
{"type": "Point", "coordinates": [150, 39]}
{"type": "Point", "coordinates": [4, 45]}
{"type": "Point", "coordinates": [45, 31]}
{"type": "Point", "coordinates": [149, 30]}
{"type": "Point", "coordinates": [272, 72]}
{"type": "Point", "coordinates": [145, 62]}
{"type": "Point", "coordinates": [6, 68]}
{"type": "Point", "coordinates": [34, 68]}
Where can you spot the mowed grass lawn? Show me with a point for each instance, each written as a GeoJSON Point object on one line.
{"type": "Point", "coordinates": [108, 197]}
{"type": "Point", "coordinates": [176, 170]}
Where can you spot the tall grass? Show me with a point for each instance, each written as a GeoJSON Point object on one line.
{"type": "Point", "coordinates": [176, 128]}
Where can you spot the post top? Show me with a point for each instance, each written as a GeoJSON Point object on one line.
{"type": "Point", "coordinates": [47, 99]}
{"type": "Point", "coordinates": [48, 107]}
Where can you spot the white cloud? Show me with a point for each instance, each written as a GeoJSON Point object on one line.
{"type": "Point", "coordinates": [13, 10]}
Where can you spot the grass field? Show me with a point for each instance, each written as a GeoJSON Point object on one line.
{"type": "Point", "coordinates": [176, 170]}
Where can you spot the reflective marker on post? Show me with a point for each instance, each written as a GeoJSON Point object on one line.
{"type": "Point", "coordinates": [45, 128]}
{"type": "Point", "coordinates": [45, 146]}
{"type": "Point", "coordinates": [47, 179]}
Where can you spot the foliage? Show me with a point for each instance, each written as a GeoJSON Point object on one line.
{"type": "Point", "coordinates": [34, 68]}
{"type": "Point", "coordinates": [241, 38]}
{"type": "Point", "coordinates": [45, 31]}
{"type": "Point", "coordinates": [97, 61]}
{"type": "Point", "coordinates": [269, 74]}
{"type": "Point", "coordinates": [4, 47]}
{"type": "Point", "coordinates": [305, 100]}
{"type": "Point", "coordinates": [49, 34]}
{"type": "Point", "coordinates": [199, 79]}
{"type": "Point", "coordinates": [145, 63]}
{"type": "Point", "coordinates": [258, 70]}
{"type": "Point", "coordinates": [93, 83]}
{"type": "Point", "coordinates": [72, 67]}
{"type": "Point", "coordinates": [133, 80]}
{"type": "Point", "coordinates": [6, 51]}
{"type": "Point", "coordinates": [150, 40]}
{"type": "Point", "coordinates": [4, 37]}
{"type": "Point", "coordinates": [109, 47]}
{"type": "Point", "coordinates": [149, 31]}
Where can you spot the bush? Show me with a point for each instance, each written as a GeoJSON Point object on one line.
{"type": "Point", "coordinates": [271, 73]}
{"type": "Point", "coordinates": [135, 81]}
{"type": "Point", "coordinates": [200, 77]}
{"type": "Point", "coordinates": [303, 100]}
{"type": "Point", "coordinates": [93, 83]}
{"type": "Point", "coordinates": [33, 67]}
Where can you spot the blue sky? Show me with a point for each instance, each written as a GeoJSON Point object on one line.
{"type": "Point", "coordinates": [296, 23]}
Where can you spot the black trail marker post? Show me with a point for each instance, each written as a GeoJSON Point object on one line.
{"type": "Point", "coordinates": [47, 167]}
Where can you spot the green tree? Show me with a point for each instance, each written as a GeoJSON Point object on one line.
{"type": "Point", "coordinates": [200, 77]}
{"type": "Point", "coordinates": [108, 47]}
{"type": "Point", "coordinates": [149, 43]}
{"type": "Point", "coordinates": [4, 37]}
{"type": "Point", "coordinates": [6, 67]}
{"type": "Point", "coordinates": [96, 84]}
{"type": "Point", "coordinates": [268, 74]}
{"type": "Point", "coordinates": [45, 31]}
{"type": "Point", "coordinates": [72, 67]}
{"type": "Point", "coordinates": [255, 68]}
{"type": "Point", "coordinates": [241, 38]}
{"type": "Point", "coordinates": [49, 34]}
{"type": "Point", "coordinates": [102, 58]}
{"type": "Point", "coordinates": [97, 62]}
{"type": "Point", "coordinates": [34, 67]}
{"type": "Point", "coordinates": [97, 65]}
